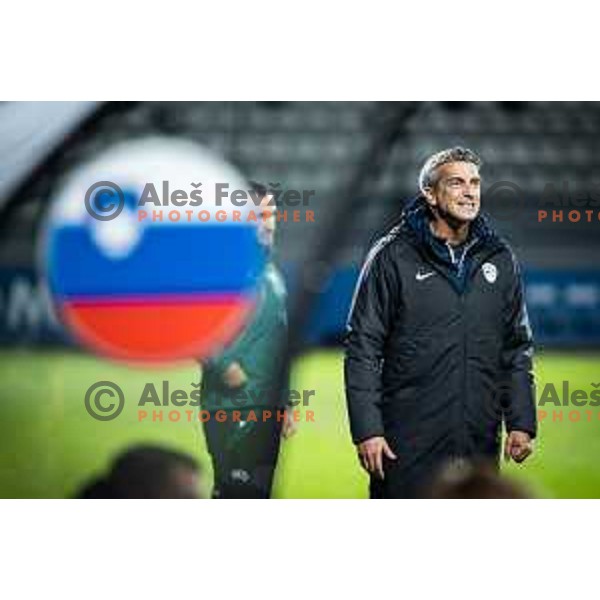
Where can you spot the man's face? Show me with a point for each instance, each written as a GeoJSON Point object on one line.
{"type": "Point", "coordinates": [457, 192]}
{"type": "Point", "coordinates": [266, 221]}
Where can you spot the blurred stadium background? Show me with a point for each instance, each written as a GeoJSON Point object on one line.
{"type": "Point", "coordinates": [49, 443]}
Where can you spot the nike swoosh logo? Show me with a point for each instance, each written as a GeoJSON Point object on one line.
{"type": "Point", "coordinates": [421, 276]}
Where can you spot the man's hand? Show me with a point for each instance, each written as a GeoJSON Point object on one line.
{"type": "Point", "coordinates": [371, 454]}
{"type": "Point", "coordinates": [234, 376]}
{"type": "Point", "coordinates": [289, 426]}
{"type": "Point", "coordinates": [518, 446]}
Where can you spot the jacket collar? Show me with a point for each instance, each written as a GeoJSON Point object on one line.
{"type": "Point", "coordinates": [415, 226]}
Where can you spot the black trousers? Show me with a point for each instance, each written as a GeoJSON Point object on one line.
{"type": "Point", "coordinates": [405, 478]}
{"type": "Point", "coordinates": [402, 481]}
{"type": "Point", "coordinates": [244, 455]}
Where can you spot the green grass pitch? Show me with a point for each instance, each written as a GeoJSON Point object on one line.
{"type": "Point", "coordinates": [50, 445]}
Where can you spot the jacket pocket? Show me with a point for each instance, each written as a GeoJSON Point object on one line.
{"type": "Point", "coordinates": [408, 361]}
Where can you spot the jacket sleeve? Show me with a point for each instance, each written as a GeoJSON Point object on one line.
{"type": "Point", "coordinates": [369, 322]}
{"type": "Point", "coordinates": [242, 348]}
{"type": "Point", "coordinates": [220, 363]}
{"type": "Point", "coordinates": [517, 358]}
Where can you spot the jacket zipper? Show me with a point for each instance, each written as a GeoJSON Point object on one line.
{"type": "Point", "coordinates": [463, 437]}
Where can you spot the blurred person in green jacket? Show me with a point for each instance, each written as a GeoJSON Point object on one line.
{"type": "Point", "coordinates": [247, 416]}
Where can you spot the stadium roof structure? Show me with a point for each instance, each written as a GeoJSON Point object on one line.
{"type": "Point", "coordinates": [30, 132]}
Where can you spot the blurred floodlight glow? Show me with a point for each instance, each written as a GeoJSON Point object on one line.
{"type": "Point", "coordinates": [144, 289]}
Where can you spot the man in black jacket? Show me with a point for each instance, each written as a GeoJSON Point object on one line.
{"type": "Point", "coordinates": [439, 347]}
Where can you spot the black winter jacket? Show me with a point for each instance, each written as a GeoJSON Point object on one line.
{"type": "Point", "coordinates": [439, 349]}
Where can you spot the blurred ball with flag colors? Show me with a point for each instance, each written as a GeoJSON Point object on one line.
{"type": "Point", "coordinates": [144, 289]}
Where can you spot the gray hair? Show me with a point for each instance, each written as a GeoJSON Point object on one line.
{"type": "Point", "coordinates": [427, 176]}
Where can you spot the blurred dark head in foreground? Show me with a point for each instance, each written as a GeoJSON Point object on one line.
{"type": "Point", "coordinates": [148, 472]}
{"type": "Point", "coordinates": [266, 211]}
{"type": "Point", "coordinates": [475, 480]}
